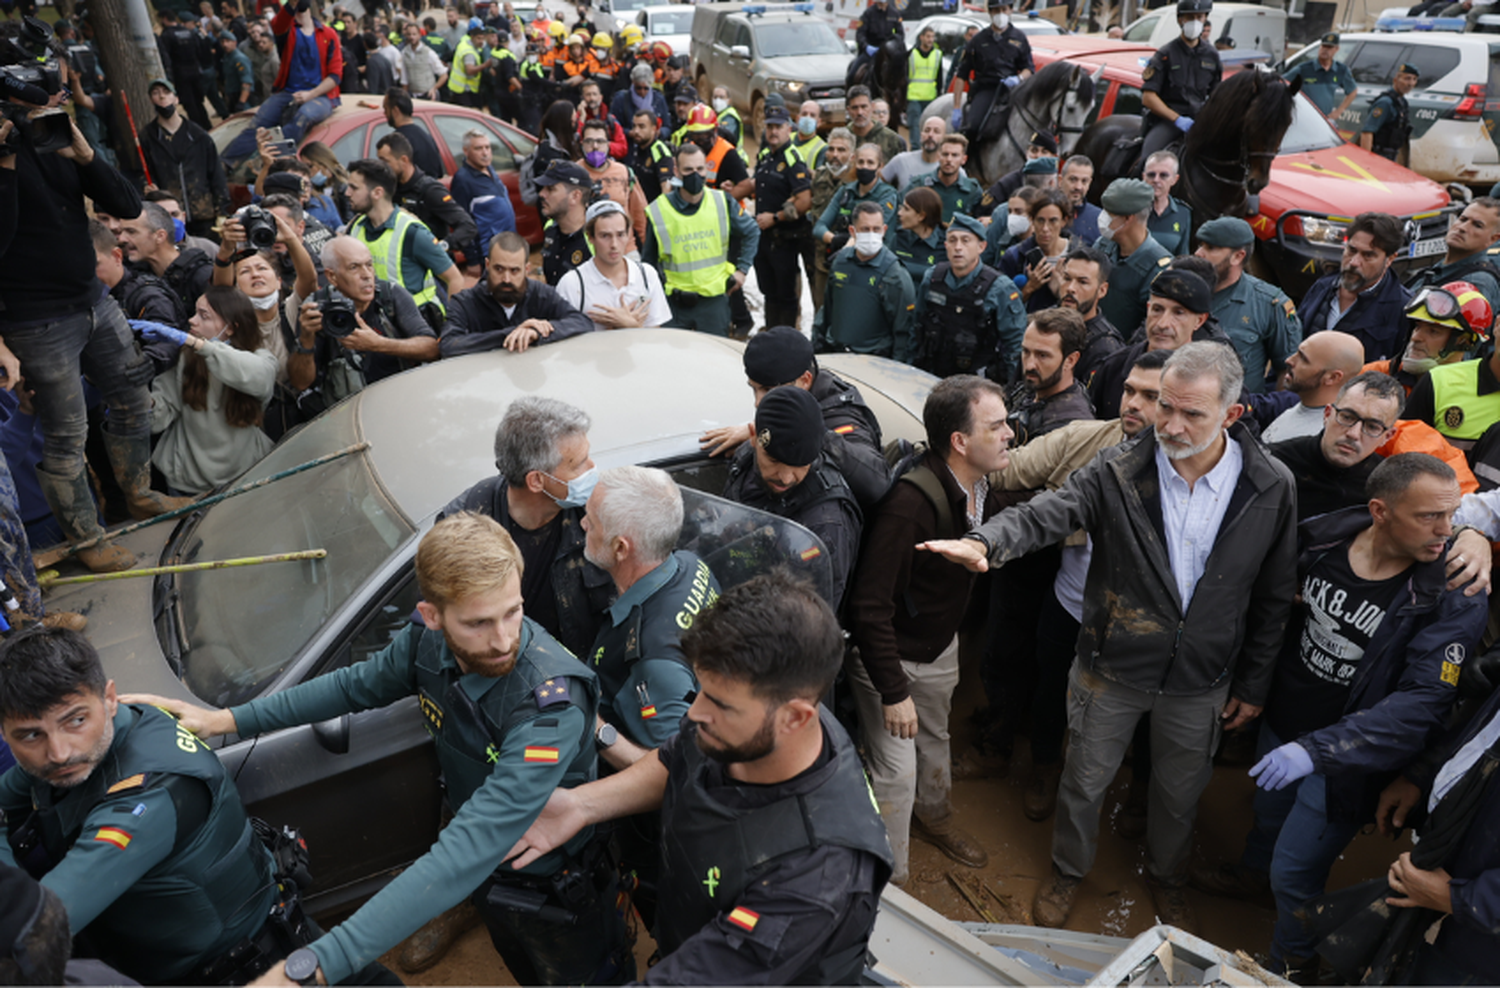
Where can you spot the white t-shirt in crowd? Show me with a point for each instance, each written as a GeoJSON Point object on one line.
{"type": "Point", "coordinates": [905, 168]}
{"type": "Point", "coordinates": [585, 287]}
{"type": "Point", "coordinates": [1299, 420]}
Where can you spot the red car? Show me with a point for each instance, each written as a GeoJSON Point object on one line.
{"type": "Point", "coordinates": [1318, 181]}
{"type": "Point", "coordinates": [352, 129]}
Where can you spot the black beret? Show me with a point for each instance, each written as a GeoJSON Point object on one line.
{"type": "Point", "coordinates": [777, 355]}
{"type": "Point", "coordinates": [789, 426]}
{"type": "Point", "coordinates": [1184, 288]}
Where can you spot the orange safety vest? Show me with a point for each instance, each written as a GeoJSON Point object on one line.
{"type": "Point", "coordinates": [588, 65]}
{"type": "Point", "coordinates": [715, 158]}
{"type": "Point", "coordinates": [1419, 437]}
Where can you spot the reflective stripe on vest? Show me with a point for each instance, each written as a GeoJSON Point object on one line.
{"type": "Point", "coordinates": [810, 150]}
{"type": "Point", "coordinates": [386, 251]}
{"type": "Point", "coordinates": [459, 79]}
{"type": "Point", "coordinates": [1460, 412]}
{"type": "Point", "coordinates": [694, 250]}
{"type": "Point", "coordinates": [922, 74]}
{"type": "Point", "coordinates": [734, 115]}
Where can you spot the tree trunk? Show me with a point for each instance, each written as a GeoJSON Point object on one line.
{"type": "Point", "coordinates": [127, 47]}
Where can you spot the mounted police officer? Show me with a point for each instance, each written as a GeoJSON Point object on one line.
{"type": "Point", "coordinates": [969, 317]}
{"type": "Point", "coordinates": [512, 714]}
{"type": "Point", "coordinates": [997, 60]}
{"type": "Point", "coordinates": [1387, 124]}
{"type": "Point", "coordinates": [777, 854]}
{"type": "Point", "coordinates": [877, 25]}
{"type": "Point", "coordinates": [1178, 79]}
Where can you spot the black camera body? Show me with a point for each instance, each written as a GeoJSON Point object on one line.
{"type": "Point", "coordinates": [260, 227]}
{"type": "Point", "coordinates": [31, 72]}
{"type": "Point", "coordinates": [339, 314]}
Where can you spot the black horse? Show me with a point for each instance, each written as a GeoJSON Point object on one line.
{"type": "Point", "coordinates": [885, 74]}
{"type": "Point", "coordinates": [1226, 156]}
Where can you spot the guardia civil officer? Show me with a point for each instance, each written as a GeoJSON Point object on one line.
{"type": "Point", "coordinates": [969, 317]}
{"type": "Point", "coordinates": [1324, 77]}
{"type": "Point", "coordinates": [129, 819]}
{"type": "Point", "coordinates": [783, 196]}
{"type": "Point", "coordinates": [1387, 125]}
{"type": "Point", "coordinates": [512, 713]}
{"type": "Point", "coordinates": [778, 855]}
{"type": "Point", "coordinates": [996, 60]}
{"type": "Point", "coordinates": [1259, 317]}
{"type": "Point", "coordinates": [1178, 79]}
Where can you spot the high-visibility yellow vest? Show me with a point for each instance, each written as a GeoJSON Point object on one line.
{"type": "Point", "coordinates": [386, 252]}
{"type": "Point", "coordinates": [922, 74]}
{"type": "Point", "coordinates": [460, 79]}
{"type": "Point", "coordinates": [810, 149]}
{"type": "Point", "coordinates": [1460, 412]}
{"type": "Point", "coordinates": [693, 249]}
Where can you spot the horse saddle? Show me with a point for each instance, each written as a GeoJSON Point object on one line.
{"type": "Point", "coordinates": [998, 119]}
{"type": "Point", "coordinates": [1124, 156]}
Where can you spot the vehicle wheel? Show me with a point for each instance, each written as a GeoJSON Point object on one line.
{"type": "Point", "coordinates": [757, 115]}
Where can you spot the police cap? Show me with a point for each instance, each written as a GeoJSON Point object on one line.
{"type": "Point", "coordinates": [999, 4]}
{"type": "Point", "coordinates": [777, 355]}
{"type": "Point", "coordinates": [1185, 288]}
{"type": "Point", "coordinates": [1046, 165]}
{"type": "Point", "coordinates": [1126, 197]}
{"type": "Point", "coordinates": [789, 426]}
{"type": "Point", "coordinates": [565, 173]}
{"type": "Point", "coordinates": [1330, 40]}
{"type": "Point", "coordinates": [968, 224]}
{"type": "Point", "coordinates": [777, 115]}
{"type": "Point", "coordinates": [1194, 7]}
{"type": "Point", "coordinates": [1406, 68]}
{"type": "Point", "coordinates": [1045, 141]}
{"type": "Point", "coordinates": [1226, 231]}
{"type": "Point", "coordinates": [686, 93]}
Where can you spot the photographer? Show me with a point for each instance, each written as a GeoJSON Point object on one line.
{"type": "Point", "coordinates": [357, 331]}
{"type": "Point", "coordinates": [58, 320]}
{"type": "Point", "coordinates": [314, 235]}
{"type": "Point", "coordinates": [148, 243]}
{"type": "Point", "coordinates": [183, 159]}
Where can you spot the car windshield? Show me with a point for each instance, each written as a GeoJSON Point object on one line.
{"type": "Point", "coordinates": [672, 22]}
{"type": "Point", "coordinates": [1310, 130]}
{"type": "Point", "coordinates": [800, 37]}
{"type": "Point", "coordinates": [244, 625]}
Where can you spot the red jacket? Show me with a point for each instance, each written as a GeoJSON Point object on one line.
{"type": "Point", "coordinates": [330, 51]}
{"type": "Point", "coordinates": [618, 148]}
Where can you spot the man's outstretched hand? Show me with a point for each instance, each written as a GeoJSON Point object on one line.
{"type": "Point", "coordinates": [968, 553]}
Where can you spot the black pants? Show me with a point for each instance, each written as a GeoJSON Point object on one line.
{"type": "Point", "coordinates": [1158, 135]}
{"type": "Point", "coordinates": [190, 94]}
{"type": "Point", "coordinates": [1056, 646]}
{"type": "Point", "coordinates": [776, 272]}
{"type": "Point", "coordinates": [1008, 669]}
{"type": "Point", "coordinates": [536, 951]}
{"type": "Point", "coordinates": [981, 103]}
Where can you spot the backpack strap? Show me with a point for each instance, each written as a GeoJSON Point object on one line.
{"type": "Point", "coordinates": [923, 479]}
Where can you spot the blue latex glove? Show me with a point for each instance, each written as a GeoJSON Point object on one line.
{"type": "Point", "coordinates": [1282, 767]}
{"type": "Point", "coordinates": [157, 331]}
{"type": "Point", "coordinates": [1011, 81]}
{"type": "Point", "coordinates": [1184, 123]}
{"type": "Point", "coordinates": [957, 120]}
{"type": "Point", "coordinates": [871, 50]}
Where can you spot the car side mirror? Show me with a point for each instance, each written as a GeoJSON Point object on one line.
{"type": "Point", "coordinates": [333, 734]}
{"type": "Point", "coordinates": [739, 51]}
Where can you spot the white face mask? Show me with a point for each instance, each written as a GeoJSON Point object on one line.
{"type": "Point", "coordinates": [868, 244]}
{"type": "Point", "coordinates": [1192, 29]}
{"type": "Point", "coordinates": [720, 104]}
{"type": "Point", "coordinates": [1105, 230]}
{"type": "Point", "coordinates": [266, 302]}
{"type": "Point", "coordinates": [1001, 21]}
{"type": "Point", "coordinates": [1017, 224]}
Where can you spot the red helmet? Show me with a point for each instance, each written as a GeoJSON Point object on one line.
{"type": "Point", "coordinates": [1457, 305]}
{"type": "Point", "coordinates": [701, 118]}
{"type": "Point", "coordinates": [658, 51]}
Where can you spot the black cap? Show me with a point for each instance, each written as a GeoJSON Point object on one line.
{"type": "Point", "coordinates": [789, 426]}
{"type": "Point", "coordinates": [686, 93]}
{"type": "Point", "coordinates": [1044, 140]}
{"type": "Point", "coordinates": [777, 115]}
{"type": "Point", "coordinates": [289, 182]}
{"type": "Point", "coordinates": [1184, 288]}
{"type": "Point", "coordinates": [777, 355]}
{"type": "Point", "coordinates": [565, 173]}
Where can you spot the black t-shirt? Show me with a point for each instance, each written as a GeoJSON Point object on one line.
{"type": "Point", "coordinates": [731, 169]}
{"type": "Point", "coordinates": [424, 150]}
{"type": "Point", "coordinates": [1313, 677]}
{"type": "Point", "coordinates": [538, 552]}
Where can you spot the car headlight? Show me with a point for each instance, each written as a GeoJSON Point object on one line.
{"type": "Point", "coordinates": [786, 85]}
{"type": "Point", "coordinates": [1324, 231]}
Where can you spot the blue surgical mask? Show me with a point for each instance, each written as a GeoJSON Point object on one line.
{"type": "Point", "coordinates": [319, 180]}
{"type": "Point", "coordinates": [179, 230]}
{"type": "Point", "coordinates": [807, 126]}
{"type": "Point", "coordinates": [579, 488]}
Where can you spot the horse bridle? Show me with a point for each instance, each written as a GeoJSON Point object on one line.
{"type": "Point", "coordinates": [1031, 122]}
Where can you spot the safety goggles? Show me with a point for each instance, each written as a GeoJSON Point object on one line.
{"type": "Point", "coordinates": [1440, 304]}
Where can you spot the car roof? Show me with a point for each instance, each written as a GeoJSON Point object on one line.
{"type": "Point", "coordinates": [1452, 38]}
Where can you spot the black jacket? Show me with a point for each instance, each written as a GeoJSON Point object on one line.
{"type": "Point", "coordinates": [853, 442]}
{"type": "Point", "coordinates": [1107, 384]}
{"type": "Point", "coordinates": [1134, 631]}
{"type": "Point", "coordinates": [476, 322]}
{"type": "Point", "coordinates": [1377, 318]}
{"type": "Point", "coordinates": [145, 296]}
{"type": "Point", "coordinates": [187, 165]}
{"type": "Point", "coordinates": [1321, 486]}
{"type": "Point", "coordinates": [426, 199]}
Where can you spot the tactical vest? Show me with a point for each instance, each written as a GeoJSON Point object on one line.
{"type": "Point", "coordinates": [1392, 135]}
{"type": "Point", "coordinates": [387, 251]}
{"type": "Point", "coordinates": [459, 78]}
{"type": "Point", "coordinates": [216, 887]}
{"type": "Point", "coordinates": [854, 292]}
{"type": "Point", "coordinates": [693, 249]}
{"type": "Point", "coordinates": [957, 335]}
{"type": "Point", "coordinates": [711, 852]}
{"type": "Point", "coordinates": [1428, 277]}
{"type": "Point", "coordinates": [1460, 412]}
{"type": "Point", "coordinates": [922, 74]}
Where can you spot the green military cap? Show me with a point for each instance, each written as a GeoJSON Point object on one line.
{"type": "Point", "coordinates": [1046, 165]}
{"type": "Point", "coordinates": [1226, 231]}
{"type": "Point", "coordinates": [1408, 69]}
{"type": "Point", "coordinates": [966, 223]}
{"type": "Point", "coordinates": [1126, 196]}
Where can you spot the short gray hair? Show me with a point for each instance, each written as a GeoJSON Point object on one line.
{"type": "Point", "coordinates": [642, 73]}
{"type": "Point", "coordinates": [879, 154]}
{"type": "Point", "coordinates": [475, 135]}
{"type": "Point", "coordinates": [329, 255]}
{"type": "Point", "coordinates": [842, 134]}
{"type": "Point", "coordinates": [1208, 359]}
{"type": "Point", "coordinates": [644, 505]}
{"type": "Point", "coordinates": [530, 434]}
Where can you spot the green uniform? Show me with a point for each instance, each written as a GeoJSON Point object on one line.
{"type": "Point", "coordinates": [1130, 283]}
{"type": "Point", "coordinates": [504, 744]}
{"type": "Point", "coordinates": [867, 307]}
{"type": "Point", "coordinates": [917, 254]}
{"type": "Point", "coordinates": [839, 212]}
{"type": "Point", "coordinates": [965, 325]}
{"type": "Point", "coordinates": [961, 197]}
{"type": "Point", "coordinates": [1389, 121]}
{"type": "Point", "coordinates": [1325, 87]}
{"type": "Point", "coordinates": [1262, 324]}
{"type": "Point", "coordinates": [153, 855]}
{"type": "Point", "coordinates": [1173, 228]}
{"type": "Point", "coordinates": [1476, 269]}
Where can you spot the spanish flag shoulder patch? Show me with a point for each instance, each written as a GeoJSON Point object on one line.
{"type": "Point", "coordinates": [536, 753]}
{"type": "Point", "coordinates": [744, 918]}
{"type": "Point", "coordinates": [132, 782]}
{"type": "Point", "coordinates": [115, 836]}
{"type": "Point", "coordinates": [648, 712]}
{"type": "Point", "coordinates": [844, 430]}
{"type": "Point", "coordinates": [812, 552]}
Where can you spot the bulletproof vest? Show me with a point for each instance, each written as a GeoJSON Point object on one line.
{"type": "Point", "coordinates": [180, 275]}
{"type": "Point", "coordinates": [822, 483]}
{"type": "Point", "coordinates": [1430, 276]}
{"type": "Point", "coordinates": [841, 403]}
{"type": "Point", "coordinates": [469, 732]}
{"type": "Point", "coordinates": [212, 891]}
{"type": "Point", "coordinates": [957, 333]}
{"type": "Point", "coordinates": [1392, 135]}
{"type": "Point", "coordinates": [711, 852]}
{"type": "Point", "coordinates": [412, 200]}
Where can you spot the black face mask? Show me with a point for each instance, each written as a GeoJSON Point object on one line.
{"type": "Point", "coordinates": [693, 183]}
{"type": "Point", "coordinates": [165, 112]}
{"type": "Point", "coordinates": [865, 175]}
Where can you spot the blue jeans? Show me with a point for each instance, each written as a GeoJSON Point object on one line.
{"type": "Point", "coordinates": [279, 111]}
{"type": "Point", "coordinates": [914, 108]}
{"type": "Point", "coordinates": [15, 549]}
{"type": "Point", "coordinates": [54, 356]}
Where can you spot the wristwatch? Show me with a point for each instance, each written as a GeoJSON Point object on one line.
{"type": "Point", "coordinates": [302, 966]}
{"type": "Point", "coordinates": [605, 736]}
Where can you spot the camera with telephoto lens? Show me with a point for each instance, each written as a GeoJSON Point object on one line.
{"type": "Point", "coordinates": [31, 73]}
{"type": "Point", "coordinates": [260, 227]}
{"type": "Point", "coordinates": [339, 314]}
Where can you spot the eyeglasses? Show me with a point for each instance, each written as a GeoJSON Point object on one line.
{"type": "Point", "coordinates": [1150, 175]}
{"type": "Point", "coordinates": [595, 142]}
{"type": "Point", "coordinates": [1372, 428]}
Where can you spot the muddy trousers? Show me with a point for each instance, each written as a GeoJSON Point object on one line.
{"type": "Point", "coordinates": [1102, 716]}
{"type": "Point", "coordinates": [909, 775]}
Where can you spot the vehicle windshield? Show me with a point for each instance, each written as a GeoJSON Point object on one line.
{"type": "Point", "coordinates": [244, 625]}
{"type": "Point", "coordinates": [799, 37]}
{"type": "Point", "coordinates": [672, 22]}
{"type": "Point", "coordinates": [1310, 130]}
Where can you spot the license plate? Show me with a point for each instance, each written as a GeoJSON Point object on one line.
{"type": "Point", "coordinates": [1427, 248]}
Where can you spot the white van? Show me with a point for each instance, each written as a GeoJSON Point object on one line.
{"type": "Point", "coordinates": [1250, 25]}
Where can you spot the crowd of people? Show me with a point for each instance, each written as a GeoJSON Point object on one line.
{"type": "Point", "coordinates": [1223, 522]}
